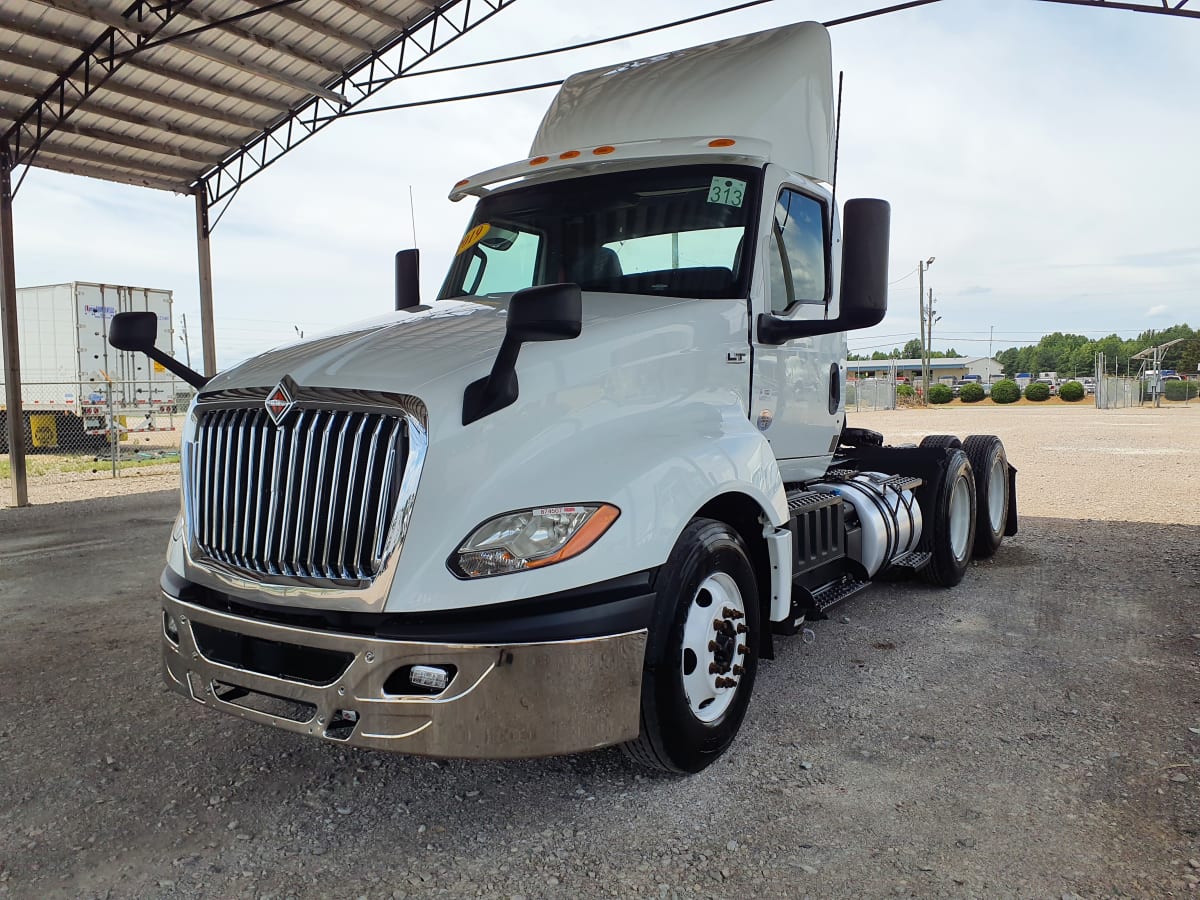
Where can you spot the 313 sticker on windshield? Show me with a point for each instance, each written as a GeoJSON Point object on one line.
{"type": "Point", "coordinates": [726, 191]}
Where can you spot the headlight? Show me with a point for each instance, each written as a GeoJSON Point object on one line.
{"type": "Point", "coordinates": [531, 538]}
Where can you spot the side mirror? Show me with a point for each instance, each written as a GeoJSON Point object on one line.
{"type": "Point", "coordinates": [137, 331]}
{"type": "Point", "coordinates": [866, 232]}
{"type": "Point", "coordinates": [552, 312]}
{"type": "Point", "coordinates": [408, 279]}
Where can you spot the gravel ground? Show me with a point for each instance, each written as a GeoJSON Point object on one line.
{"type": "Point", "coordinates": [1033, 732]}
{"type": "Point", "coordinates": [1079, 462]}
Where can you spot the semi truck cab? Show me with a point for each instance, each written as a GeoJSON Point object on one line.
{"type": "Point", "coordinates": [572, 501]}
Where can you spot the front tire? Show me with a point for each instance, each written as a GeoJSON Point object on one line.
{"type": "Point", "coordinates": [950, 530]}
{"type": "Point", "coordinates": [702, 653]}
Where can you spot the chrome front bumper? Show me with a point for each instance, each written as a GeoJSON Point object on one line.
{"type": "Point", "coordinates": [505, 701]}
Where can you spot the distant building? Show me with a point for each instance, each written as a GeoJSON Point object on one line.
{"type": "Point", "coordinates": [985, 368]}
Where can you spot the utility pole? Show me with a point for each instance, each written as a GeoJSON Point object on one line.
{"type": "Point", "coordinates": [187, 348]}
{"type": "Point", "coordinates": [991, 334]}
{"type": "Point", "coordinates": [922, 265]}
{"type": "Point", "coordinates": [930, 321]}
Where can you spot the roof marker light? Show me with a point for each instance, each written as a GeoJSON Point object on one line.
{"type": "Point", "coordinates": [463, 183]}
{"type": "Point", "coordinates": [605, 150]}
{"type": "Point", "coordinates": [539, 160]}
{"type": "Point", "coordinates": [722, 142]}
{"type": "Point", "coordinates": [570, 154]}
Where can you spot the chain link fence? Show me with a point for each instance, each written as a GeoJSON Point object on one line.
{"type": "Point", "coordinates": [73, 429]}
{"type": "Point", "coordinates": [1113, 392]}
{"type": "Point", "coordinates": [866, 394]}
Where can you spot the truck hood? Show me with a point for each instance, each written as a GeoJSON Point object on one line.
{"type": "Point", "coordinates": [406, 350]}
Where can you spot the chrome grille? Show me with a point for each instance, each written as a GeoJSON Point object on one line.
{"type": "Point", "coordinates": [312, 498]}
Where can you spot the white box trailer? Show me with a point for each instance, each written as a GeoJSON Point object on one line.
{"type": "Point", "coordinates": [73, 384]}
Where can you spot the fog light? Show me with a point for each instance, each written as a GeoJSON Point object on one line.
{"type": "Point", "coordinates": [170, 629]}
{"type": "Point", "coordinates": [429, 677]}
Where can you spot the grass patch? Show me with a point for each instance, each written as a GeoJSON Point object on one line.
{"type": "Point", "coordinates": [61, 464]}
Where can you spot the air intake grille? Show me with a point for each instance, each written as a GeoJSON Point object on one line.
{"type": "Point", "coordinates": [311, 498]}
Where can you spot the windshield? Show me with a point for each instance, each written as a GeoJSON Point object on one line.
{"type": "Point", "coordinates": [677, 232]}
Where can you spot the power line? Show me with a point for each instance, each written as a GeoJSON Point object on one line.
{"type": "Point", "coordinates": [592, 43]}
{"type": "Point", "coordinates": [534, 87]}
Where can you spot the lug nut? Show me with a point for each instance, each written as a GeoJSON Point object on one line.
{"type": "Point", "coordinates": [712, 646]}
{"type": "Point", "coordinates": [714, 669]}
{"type": "Point", "coordinates": [741, 629]}
{"type": "Point", "coordinates": [742, 649]}
{"type": "Point", "coordinates": [738, 670]}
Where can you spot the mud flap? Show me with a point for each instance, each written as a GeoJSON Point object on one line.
{"type": "Point", "coordinates": [1010, 526]}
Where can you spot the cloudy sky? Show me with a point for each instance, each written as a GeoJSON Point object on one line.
{"type": "Point", "coordinates": [1044, 154]}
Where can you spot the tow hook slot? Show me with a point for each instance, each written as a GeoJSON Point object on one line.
{"type": "Point", "coordinates": [342, 725]}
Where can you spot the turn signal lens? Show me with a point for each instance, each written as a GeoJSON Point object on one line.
{"type": "Point", "coordinates": [531, 539]}
{"type": "Point", "coordinates": [539, 160]}
{"type": "Point", "coordinates": [722, 142]}
{"type": "Point", "coordinates": [605, 150]}
{"type": "Point", "coordinates": [570, 154]}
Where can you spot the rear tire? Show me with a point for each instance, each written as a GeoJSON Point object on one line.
{"type": "Point", "coordinates": [990, 463]}
{"type": "Point", "coordinates": [704, 635]}
{"type": "Point", "coordinates": [941, 441]}
{"type": "Point", "coordinates": [950, 528]}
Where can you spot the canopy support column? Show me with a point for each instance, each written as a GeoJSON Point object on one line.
{"type": "Point", "coordinates": [8, 318]}
{"type": "Point", "coordinates": [204, 258]}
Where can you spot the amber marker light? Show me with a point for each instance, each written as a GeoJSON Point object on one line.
{"type": "Point", "coordinates": [462, 183]}
{"type": "Point", "coordinates": [539, 160]}
{"type": "Point", "coordinates": [722, 142]}
{"type": "Point", "coordinates": [570, 154]}
{"type": "Point", "coordinates": [605, 150]}
{"type": "Point", "coordinates": [590, 532]}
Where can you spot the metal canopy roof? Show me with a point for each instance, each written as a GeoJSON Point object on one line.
{"type": "Point", "coordinates": [173, 94]}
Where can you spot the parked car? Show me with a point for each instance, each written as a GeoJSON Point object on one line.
{"type": "Point", "coordinates": [1049, 382]}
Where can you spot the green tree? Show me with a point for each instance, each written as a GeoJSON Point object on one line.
{"type": "Point", "coordinates": [912, 350]}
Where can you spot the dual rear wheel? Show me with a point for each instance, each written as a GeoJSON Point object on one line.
{"type": "Point", "coordinates": [969, 505]}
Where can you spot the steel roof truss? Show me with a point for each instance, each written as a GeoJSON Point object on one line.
{"type": "Point", "coordinates": [114, 85]}
{"type": "Point", "coordinates": [94, 66]}
{"type": "Point", "coordinates": [191, 130]}
{"type": "Point", "coordinates": [409, 48]}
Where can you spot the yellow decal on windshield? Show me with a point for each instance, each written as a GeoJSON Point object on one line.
{"type": "Point", "coordinates": [473, 237]}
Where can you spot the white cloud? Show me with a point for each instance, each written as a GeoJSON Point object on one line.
{"type": "Point", "coordinates": [1159, 310]}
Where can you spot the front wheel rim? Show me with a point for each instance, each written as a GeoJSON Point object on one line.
{"type": "Point", "coordinates": [960, 517]}
{"type": "Point", "coordinates": [713, 658]}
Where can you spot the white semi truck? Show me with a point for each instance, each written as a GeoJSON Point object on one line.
{"type": "Point", "coordinates": [574, 500]}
